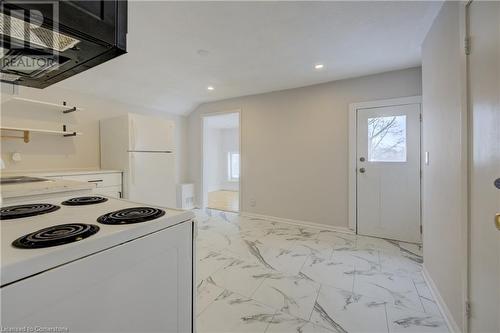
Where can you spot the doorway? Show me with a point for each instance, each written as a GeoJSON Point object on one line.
{"type": "Point", "coordinates": [386, 164]}
{"type": "Point", "coordinates": [221, 161]}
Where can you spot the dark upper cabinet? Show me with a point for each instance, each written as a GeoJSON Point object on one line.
{"type": "Point", "coordinates": [105, 20]}
{"type": "Point", "coordinates": [110, 16]}
{"type": "Point", "coordinates": [100, 26]}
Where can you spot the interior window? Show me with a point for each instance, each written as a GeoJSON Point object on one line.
{"type": "Point", "coordinates": [233, 160]}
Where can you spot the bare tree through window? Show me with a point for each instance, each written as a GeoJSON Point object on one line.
{"type": "Point", "coordinates": [387, 139]}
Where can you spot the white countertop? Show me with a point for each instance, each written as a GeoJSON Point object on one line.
{"type": "Point", "coordinates": [51, 173]}
{"type": "Point", "coordinates": [19, 263]}
{"type": "Point", "coordinates": [42, 187]}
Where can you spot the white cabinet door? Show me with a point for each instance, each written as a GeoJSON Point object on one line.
{"type": "Point", "coordinates": [388, 172]}
{"type": "Point", "coordinates": [150, 133]}
{"type": "Point", "coordinates": [484, 82]}
{"type": "Point", "coordinates": [112, 191]}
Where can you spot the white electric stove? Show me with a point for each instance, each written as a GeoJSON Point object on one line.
{"type": "Point", "coordinates": [96, 264]}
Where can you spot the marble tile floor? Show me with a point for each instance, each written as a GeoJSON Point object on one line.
{"type": "Point", "coordinates": [260, 276]}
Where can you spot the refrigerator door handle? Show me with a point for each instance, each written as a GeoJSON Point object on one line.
{"type": "Point", "coordinates": [151, 151]}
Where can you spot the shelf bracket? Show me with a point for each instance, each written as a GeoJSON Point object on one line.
{"type": "Point", "coordinates": [73, 109]}
{"type": "Point", "coordinates": [69, 134]}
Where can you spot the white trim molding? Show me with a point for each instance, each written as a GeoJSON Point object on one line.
{"type": "Point", "coordinates": [297, 222]}
{"type": "Point", "coordinates": [443, 308]}
{"type": "Point", "coordinates": [352, 117]}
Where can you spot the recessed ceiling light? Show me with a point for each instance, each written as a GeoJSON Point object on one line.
{"type": "Point", "coordinates": [210, 88]}
{"type": "Point", "coordinates": [319, 66]}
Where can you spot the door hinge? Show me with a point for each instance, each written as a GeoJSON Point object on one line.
{"type": "Point", "coordinates": [467, 45]}
{"type": "Point", "coordinates": [421, 229]}
{"type": "Point", "coordinates": [467, 309]}
{"type": "Point", "coordinates": [420, 117]}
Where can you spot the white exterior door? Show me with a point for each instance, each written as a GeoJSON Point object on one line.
{"type": "Point", "coordinates": [484, 82]}
{"type": "Point", "coordinates": [388, 172]}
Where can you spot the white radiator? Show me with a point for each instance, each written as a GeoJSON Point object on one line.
{"type": "Point", "coordinates": [185, 196]}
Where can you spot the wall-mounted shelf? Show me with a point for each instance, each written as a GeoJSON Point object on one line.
{"type": "Point", "coordinates": [26, 133]}
{"type": "Point", "coordinates": [26, 103]}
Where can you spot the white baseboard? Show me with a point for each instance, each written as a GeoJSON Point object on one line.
{"type": "Point", "coordinates": [297, 222]}
{"type": "Point", "coordinates": [452, 325]}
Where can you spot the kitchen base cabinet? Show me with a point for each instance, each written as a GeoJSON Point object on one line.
{"type": "Point", "coordinates": [108, 183]}
{"type": "Point", "coordinates": [112, 191]}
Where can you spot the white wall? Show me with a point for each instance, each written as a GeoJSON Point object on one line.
{"type": "Point", "coordinates": [444, 179]}
{"type": "Point", "coordinates": [294, 149]}
{"type": "Point", "coordinates": [46, 152]}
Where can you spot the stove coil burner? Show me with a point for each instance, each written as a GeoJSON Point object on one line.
{"type": "Point", "coordinates": [56, 235]}
{"type": "Point", "coordinates": [82, 201]}
{"type": "Point", "coordinates": [20, 211]}
{"type": "Point", "coordinates": [131, 215]}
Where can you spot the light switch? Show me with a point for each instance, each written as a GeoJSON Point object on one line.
{"type": "Point", "coordinates": [426, 158]}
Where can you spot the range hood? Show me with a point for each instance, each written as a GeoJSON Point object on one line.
{"type": "Point", "coordinates": [44, 42]}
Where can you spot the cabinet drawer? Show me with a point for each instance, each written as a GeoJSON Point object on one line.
{"type": "Point", "coordinates": [112, 191]}
{"type": "Point", "coordinates": [100, 179]}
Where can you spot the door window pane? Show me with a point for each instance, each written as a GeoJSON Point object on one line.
{"type": "Point", "coordinates": [387, 139]}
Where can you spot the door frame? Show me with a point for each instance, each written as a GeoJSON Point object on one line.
{"type": "Point", "coordinates": [203, 203]}
{"type": "Point", "coordinates": [352, 142]}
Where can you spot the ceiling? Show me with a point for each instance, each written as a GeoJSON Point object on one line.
{"type": "Point", "coordinates": [177, 49]}
{"type": "Point", "coordinates": [222, 121]}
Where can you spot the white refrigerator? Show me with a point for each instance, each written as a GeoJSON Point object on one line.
{"type": "Point", "coordinates": [143, 148]}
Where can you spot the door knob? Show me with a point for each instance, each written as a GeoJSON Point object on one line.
{"type": "Point", "coordinates": [362, 159]}
{"type": "Point", "coordinates": [497, 220]}
{"type": "Point", "coordinates": [362, 170]}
